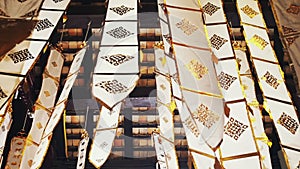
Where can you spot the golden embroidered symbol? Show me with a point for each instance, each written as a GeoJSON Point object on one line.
{"type": "Point", "coordinates": [271, 80]}
{"type": "Point", "coordinates": [186, 26]}
{"type": "Point", "coordinates": [293, 9]}
{"type": "Point", "coordinates": [112, 86]}
{"type": "Point", "coordinates": [210, 8]}
{"type": "Point", "coordinates": [47, 93]}
{"type": "Point", "coordinates": [119, 33]}
{"type": "Point", "coordinates": [249, 11]}
{"type": "Point", "coordinates": [198, 70]}
{"type": "Point", "coordinates": [259, 42]}
{"type": "Point", "coordinates": [54, 64]}
{"type": "Point", "coordinates": [234, 128]}
{"type": "Point", "coordinates": [207, 117]}
{"type": "Point", "coordinates": [217, 42]}
{"type": "Point", "coordinates": [225, 80]}
{"type": "Point", "coordinates": [117, 59]}
{"type": "Point", "coordinates": [288, 122]}
{"type": "Point", "coordinates": [291, 40]}
{"type": "Point", "coordinates": [163, 61]}
{"type": "Point", "coordinates": [288, 30]}
{"type": "Point", "coordinates": [121, 10]}
{"type": "Point", "coordinates": [191, 126]}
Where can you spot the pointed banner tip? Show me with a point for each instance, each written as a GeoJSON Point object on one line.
{"type": "Point", "coordinates": [214, 58]}
{"type": "Point", "coordinates": [226, 110]}
{"type": "Point", "coordinates": [217, 164]}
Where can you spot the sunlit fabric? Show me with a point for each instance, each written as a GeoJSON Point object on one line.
{"type": "Point", "coordinates": [82, 149]}
{"type": "Point", "coordinates": [115, 74]}
{"type": "Point", "coordinates": [45, 102]}
{"type": "Point", "coordinates": [6, 120]}
{"type": "Point", "coordinates": [104, 135]}
{"type": "Point", "coordinates": [271, 80]}
{"type": "Point", "coordinates": [189, 43]}
{"type": "Point", "coordinates": [247, 82]}
{"type": "Point", "coordinates": [164, 138]}
{"type": "Point", "coordinates": [15, 153]}
{"type": "Point", "coordinates": [56, 113]}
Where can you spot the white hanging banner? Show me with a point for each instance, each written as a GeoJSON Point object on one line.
{"type": "Point", "coordinates": [41, 152]}
{"type": "Point", "coordinates": [203, 155]}
{"type": "Point", "coordinates": [287, 19]}
{"type": "Point", "coordinates": [277, 99]}
{"type": "Point", "coordinates": [165, 107]}
{"type": "Point", "coordinates": [82, 148]}
{"type": "Point", "coordinates": [164, 26]}
{"type": "Point", "coordinates": [120, 10]}
{"type": "Point", "coordinates": [104, 135]}
{"type": "Point", "coordinates": [112, 89]}
{"type": "Point", "coordinates": [57, 111]}
{"type": "Point", "coordinates": [159, 149]}
{"type": "Point", "coordinates": [19, 9]}
{"type": "Point", "coordinates": [15, 153]}
{"type": "Point", "coordinates": [5, 123]}
{"type": "Point", "coordinates": [118, 60]}
{"type": "Point", "coordinates": [45, 102]}
{"type": "Point", "coordinates": [257, 124]}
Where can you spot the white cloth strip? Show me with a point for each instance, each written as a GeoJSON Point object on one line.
{"type": "Point", "coordinates": [276, 97]}
{"type": "Point", "coordinates": [238, 128]}
{"type": "Point", "coordinates": [256, 116]}
{"type": "Point", "coordinates": [15, 153]}
{"type": "Point", "coordinates": [82, 148]}
{"type": "Point", "coordinates": [202, 154]}
{"type": "Point", "coordinates": [165, 107]}
{"type": "Point", "coordinates": [115, 74]}
{"type": "Point", "coordinates": [45, 101]}
{"type": "Point", "coordinates": [287, 20]}
{"type": "Point", "coordinates": [103, 139]}
{"type": "Point", "coordinates": [57, 112]}
{"type": "Point", "coordinates": [6, 121]}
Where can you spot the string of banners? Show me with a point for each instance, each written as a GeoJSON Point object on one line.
{"type": "Point", "coordinates": [6, 121]}
{"type": "Point", "coordinates": [253, 105]}
{"type": "Point", "coordinates": [43, 106]}
{"type": "Point", "coordinates": [164, 137]}
{"type": "Point", "coordinates": [22, 54]}
{"type": "Point", "coordinates": [286, 15]}
{"type": "Point", "coordinates": [277, 101]}
{"type": "Point", "coordinates": [188, 70]}
{"type": "Point", "coordinates": [238, 128]}
{"type": "Point", "coordinates": [58, 110]}
{"type": "Point", "coordinates": [115, 74]}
